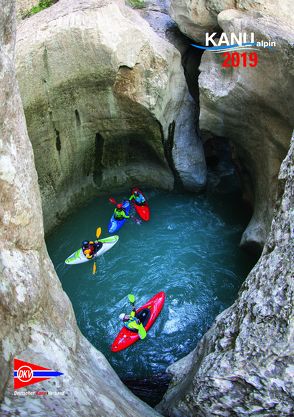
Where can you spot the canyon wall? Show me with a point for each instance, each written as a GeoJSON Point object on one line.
{"type": "Point", "coordinates": [243, 365]}
{"type": "Point", "coordinates": [253, 107]}
{"type": "Point", "coordinates": [105, 100]}
{"type": "Point", "coordinates": [195, 17]}
{"type": "Point", "coordinates": [37, 322]}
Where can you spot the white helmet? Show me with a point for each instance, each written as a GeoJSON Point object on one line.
{"type": "Point", "coordinates": [122, 316]}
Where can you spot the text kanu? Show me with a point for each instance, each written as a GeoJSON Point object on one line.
{"type": "Point", "coordinates": [239, 39]}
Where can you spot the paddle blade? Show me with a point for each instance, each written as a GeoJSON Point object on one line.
{"type": "Point", "coordinates": [98, 232]}
{"type": "Point", "coordinates": [142, 332]}
{"type": "Point", "coordinates": [94, 268]}
{"type": "Point", "coordinates": [112, 200]}
{"type": "Point", "coordinates": [131, 298]}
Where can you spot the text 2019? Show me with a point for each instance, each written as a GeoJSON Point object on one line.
{"type": "Point", "coordinates": [234, 59]}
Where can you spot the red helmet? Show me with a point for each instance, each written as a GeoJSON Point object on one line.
{"type": "Point", "coordinates": [119, 206]}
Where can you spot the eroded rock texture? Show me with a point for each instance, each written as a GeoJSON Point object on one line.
{"type": "Point", "coordinates": [37, 323]}
{"type": "Point", "coordinates": [244, 365]}
{"type": "Point", "coordinates": [101, 92]}
{"type": "Point", "coordinates": [195, 17]}
{"type": "Point", "coordinates": [252, 107]}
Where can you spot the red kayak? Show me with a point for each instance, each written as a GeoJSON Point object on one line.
{"type": "Point", "coordinates": [147, 314]}
{"type": "Point", "coordinates": [142, 209]}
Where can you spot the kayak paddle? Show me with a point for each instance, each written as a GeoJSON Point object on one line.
{"type": "Point", "coordinates": [141, 330]}
{"type": "Point", "coordinates": [131, 298]}
{"type": "Point", "coordinates": [98, 233]}
{"type": "Point", "coordinates": [112, 200]}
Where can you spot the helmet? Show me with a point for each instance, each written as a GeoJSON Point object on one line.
{"type": "Point", "coordinates": [85, 243]}
{"type": "Point", "coordinates": [122, 316]}
{"type": "Point", "coordinates": [119, 206]}
{"type": "Point", "coordinates": [136, 192]}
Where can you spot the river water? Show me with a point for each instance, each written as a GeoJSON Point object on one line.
{"type": "Point", "coordinates": [189, 249]}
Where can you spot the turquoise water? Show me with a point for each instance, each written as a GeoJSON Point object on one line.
{"type": "Point", "coordinates": [189, 249]}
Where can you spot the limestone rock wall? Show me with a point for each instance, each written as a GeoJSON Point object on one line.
{"type": "Point", "coordinates": [244, 364]}
{"type": "Point", "coordinates": [252, 107]}
{"type": "Point", "coordinates": [195, 17]}
{"type": "Point", "coordinates": [100, 92]}
{"type": "Point", "coordinates": [37, 322]}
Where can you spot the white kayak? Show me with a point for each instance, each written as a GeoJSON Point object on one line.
{"type": "Point", "coordinates": [78, 257]}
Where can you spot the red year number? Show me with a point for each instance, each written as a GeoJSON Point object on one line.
{"type": "Point", "coordinates": [234, 59]}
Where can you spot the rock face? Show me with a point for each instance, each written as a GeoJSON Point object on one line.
{"type": "Point", "coordinates": [195, 17]}
{"type": "Point", "coordinates": [101, 93]}
{"type": "Point", "coordinates": [244, 364]}
{"type": "Point", "coordinates": [22, 6]}
{"type": "Point", "coordinates": [252, 107]}
{"type": "Point", "coordinates": [37, 320]}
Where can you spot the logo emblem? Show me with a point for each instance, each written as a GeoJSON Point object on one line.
{"type": "Point", "coordinates": [26, 373]}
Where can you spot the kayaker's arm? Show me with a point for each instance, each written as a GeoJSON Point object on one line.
{"type": "Point", "coordinates": [132, 196]}
{"type": "Point", "coordinates": [125, 215]}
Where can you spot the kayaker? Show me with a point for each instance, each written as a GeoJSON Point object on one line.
{"type": "Point", "coordinates": [90, 248]}
{"type": "Point", "coordinates": [133, 323]}
{"type": "Point", "coordinates": [119, 213]}
{"type": "Point", "coordinates": [138, 197]}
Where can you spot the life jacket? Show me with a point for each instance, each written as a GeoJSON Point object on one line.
{"type": "Point", "coordinates": [119, 214]}
{"type": "Point", "coordinates": [89, 250]}
{"type": "Point", "coordinates": [132, 323]}
{"type": "Point", "coordinates": [140, 200]}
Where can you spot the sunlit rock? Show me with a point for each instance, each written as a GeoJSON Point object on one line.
{"type": "Point", "coordinates": [101, 92]}
{"type": "Point", "coordinates": [195, 17]}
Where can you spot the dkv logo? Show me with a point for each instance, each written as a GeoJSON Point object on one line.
{"type": "Point", "coordinates": [26, 373]}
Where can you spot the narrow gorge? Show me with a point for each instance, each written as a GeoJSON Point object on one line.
{"type": "Point", "coordinates": [98, 96]}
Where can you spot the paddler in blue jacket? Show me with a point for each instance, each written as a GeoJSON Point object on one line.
{"type": "Point", "coordinates": [119, 213]}
{"type": "Point", "coordinates": [131, 321]}
{"type": "Point", "coordinates": [138, 197]}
